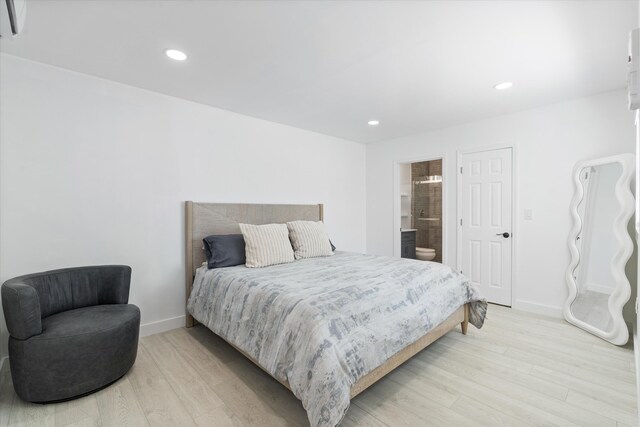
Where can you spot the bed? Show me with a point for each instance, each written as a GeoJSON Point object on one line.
{"type": "Point", "coordinates": [326, 328]}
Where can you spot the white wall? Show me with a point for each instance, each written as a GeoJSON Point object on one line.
{"type": "Point", "coordinates": [549, 141]}
{"type": "Point", "coordinates": [95, 172]}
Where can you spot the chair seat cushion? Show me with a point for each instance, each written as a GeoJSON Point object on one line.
{"type": "Point", "coordinates": [88, 320]}
{"type": "Point", "coordinates": [78, 351]}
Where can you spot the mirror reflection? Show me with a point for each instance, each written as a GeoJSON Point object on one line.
{"type": "Point", "coordinates": [596, 245]}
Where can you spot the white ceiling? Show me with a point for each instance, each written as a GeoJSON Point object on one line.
{"type": "Point", "coordinates": [332, 66]}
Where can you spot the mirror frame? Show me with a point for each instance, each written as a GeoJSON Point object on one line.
{"type": "Point", "coordinates": [619, 333]}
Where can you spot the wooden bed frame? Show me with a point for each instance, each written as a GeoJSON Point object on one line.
{"type": "Point", "coordinates": [204, 219]}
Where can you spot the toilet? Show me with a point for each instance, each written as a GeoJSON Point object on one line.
{"type": "Point", "coordinates": [425, 254]}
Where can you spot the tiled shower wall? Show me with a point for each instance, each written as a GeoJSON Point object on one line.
{"type": "Point", "coordinates": [426, 202]}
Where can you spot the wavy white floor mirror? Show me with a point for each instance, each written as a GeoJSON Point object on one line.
{"type": "Point", "coordinates": [600, 246]}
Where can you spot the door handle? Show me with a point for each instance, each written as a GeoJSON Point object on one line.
{"type": "Point", "coordinates": [505, 235]}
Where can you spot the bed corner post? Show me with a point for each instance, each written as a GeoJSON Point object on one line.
{"type": "Point", "coordinates": [189, 321]}
{"type": "Point", "coordinates": [465, 323]}
{"type": "Point", "coordinates": [321, 212]}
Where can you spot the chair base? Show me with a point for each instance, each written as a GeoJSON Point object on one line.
{"type": "Point", "coordinates": [49, 402]}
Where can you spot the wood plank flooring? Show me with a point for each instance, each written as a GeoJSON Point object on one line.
{"type": "Point", "coordinates": [519, 369]}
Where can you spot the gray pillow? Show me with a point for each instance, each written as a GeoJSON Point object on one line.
{"type": "Point", "coordinates": [224, 250]}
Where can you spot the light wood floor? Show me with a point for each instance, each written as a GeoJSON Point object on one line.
{"type": "Point", "coordinates": [519, 369]}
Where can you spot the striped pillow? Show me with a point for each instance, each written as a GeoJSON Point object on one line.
{"type": "Point", "coordinates": [266, 244]}
{"type": "Point", "coordinates": [309, 239]}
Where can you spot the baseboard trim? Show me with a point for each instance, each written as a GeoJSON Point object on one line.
{"type": "Point", "coordinates": [162, 326]}
{"type": "Point", "coordinates": [598, 288]}
{"type": "Point", "coordinates": [536, 308]}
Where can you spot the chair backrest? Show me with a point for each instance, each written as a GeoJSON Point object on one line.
{"type": "Point", "coordinates": [70, 288]}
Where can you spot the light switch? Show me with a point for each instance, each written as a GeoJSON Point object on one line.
{"type": "Point", "coordinates": [528, 214]}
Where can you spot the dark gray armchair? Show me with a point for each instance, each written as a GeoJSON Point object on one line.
{"type": "Point", "coordinates": [71, 331]}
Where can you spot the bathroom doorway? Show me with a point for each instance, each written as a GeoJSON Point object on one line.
{"type": "Point", "coordinates": [420, 210]}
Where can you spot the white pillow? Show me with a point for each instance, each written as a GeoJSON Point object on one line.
{"type": "Point", "coordinates": [266, 244]}
{"type": "Point", "coordinates": [309, 239]}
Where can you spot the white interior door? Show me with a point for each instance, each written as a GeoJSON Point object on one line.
{"type": "Point", "coordinates": [486, 223]}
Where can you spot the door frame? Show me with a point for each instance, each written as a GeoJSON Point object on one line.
{"type": "Point", "coordinates": [515, 231]}
{"type": "Point", "coordinates": [397, 223]}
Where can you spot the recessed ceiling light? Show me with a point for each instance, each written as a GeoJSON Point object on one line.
{"type": "Point", "coordinates": [373, 122]}
{"type": "Point", "coordinates": [503, 86]}
{"type": "Point", "coordinates": [176, 54]}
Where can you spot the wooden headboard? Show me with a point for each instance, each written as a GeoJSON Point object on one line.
{"type": "Point", "coordinates": [205, 219]}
